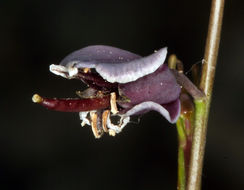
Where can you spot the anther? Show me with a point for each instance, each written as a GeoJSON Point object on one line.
{"type": "Point", "coordinates": [105, 116]}
{"type": "Point", "coordinates": [113, 104]}
{"type": "Point", "coordinates": [93, 116]}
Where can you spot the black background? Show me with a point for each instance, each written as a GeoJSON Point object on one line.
{"type": "Point", "coordinates": [41, 149]}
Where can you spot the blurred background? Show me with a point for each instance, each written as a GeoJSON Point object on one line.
{"type": "Point", "coordinates": [41, 149]}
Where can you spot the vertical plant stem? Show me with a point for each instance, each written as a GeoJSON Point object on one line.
{"type": "Point", "coordinates": [206, 85]}
{"type": "Point", "coordinates": [198, 145]}
{"type": "Point", "coordinates": [181, 169]}
{"type": "Point", "coordinates": [182, 141]}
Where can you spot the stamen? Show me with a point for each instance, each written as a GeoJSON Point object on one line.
{"type": "Point", "coordinates": [104, 120]}
{"type": "Point", "coordinates": [95, 131]}
{"type": "Point", "coordinates": [113, 104]}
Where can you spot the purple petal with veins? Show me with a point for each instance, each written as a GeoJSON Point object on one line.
{"type": "Point", "coordinates": [104, 59]}
{"type": "Point", "coordinates": [160, 87]}
{"type": "Point", "coordinates": [98, 54]}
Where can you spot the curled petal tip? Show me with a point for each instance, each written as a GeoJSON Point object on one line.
{"type": "Point", "coordinates": [37, 99]}
{"type": "Point", "coordinates": [58, 70]}
{"type": "Point", "coordinates": [66, 72]}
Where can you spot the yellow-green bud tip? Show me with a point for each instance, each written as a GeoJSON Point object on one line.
{"type": "Point", "coordinates": [36, 98]}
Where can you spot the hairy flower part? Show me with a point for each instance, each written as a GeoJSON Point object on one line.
{"type": "Point", "coordinates": [120, 83]}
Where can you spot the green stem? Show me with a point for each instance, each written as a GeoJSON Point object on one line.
{"type": "Point", "coordinates": [202, 105]}
{"type": "Point", "coordinates": [198, 145]}
{"type": "Point", "coordinates": [181, 169]}
{"type": "Point", "coordinates": [182, 141]}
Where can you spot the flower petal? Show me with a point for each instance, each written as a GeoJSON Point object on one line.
{"type": "Point", "coordinates": [170, 111]}
{"type": "Point", "coordinates": [92, 55]}
{"type": "Point", "coordinates": [133, 70]}
{"type": "Point", "coordinates": [160, 87]}
{"type": "Point", "coordinates": [114, 64]}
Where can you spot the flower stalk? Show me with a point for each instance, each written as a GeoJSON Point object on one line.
{"type": "Point", "coordinates": [184, 129]}
{"type": "Point", "coordinates": [202, 105]}
{"type": "Point", "coordinates": [181, 156]}
{"type": "Point", "coordinates": [185, 123]}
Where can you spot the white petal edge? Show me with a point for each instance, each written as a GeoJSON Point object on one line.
{"type": "Point", "coordinates": [133, 70]}
{"type": "Point", "coordinates": [66, 72]}
{"type": "Point", "coordinates": [156, 107]}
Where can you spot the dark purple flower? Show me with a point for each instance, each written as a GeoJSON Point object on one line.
{"type": "Point", "coordinates": [119, 82]}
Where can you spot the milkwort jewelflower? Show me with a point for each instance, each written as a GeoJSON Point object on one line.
{"type": "Point", "coordinates": [120, 83]}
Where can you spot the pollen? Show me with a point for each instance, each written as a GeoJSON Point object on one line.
{"type": "Point", "coordinates": [86, 70]}
{"type": "Point", "coordinates": [36, 98]}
